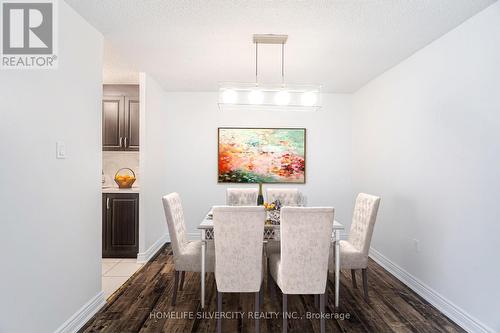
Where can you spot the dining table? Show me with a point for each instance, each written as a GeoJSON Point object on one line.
{"type": "Point", "coordinates": [271, 233]}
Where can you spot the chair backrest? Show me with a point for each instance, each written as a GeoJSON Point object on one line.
{"type": "Point", "coordinates": [287, 196]}
{"type": "Point", "coordinates": [241, 196]}
{"type": "Point", "coordinates": [175, 220]}
{"type": "Point", "coordinates": [238, 238]}
{"type": "Point", "coordinates": [363, 221]}
{"type": "Point", "coordinates": [305, 234]}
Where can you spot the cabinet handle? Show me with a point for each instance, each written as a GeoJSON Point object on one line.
{"type": "Point", "coordinates": [125, 142]}
{"type": "Point", "coordinates": [121, 142]}
{"type": "Point", "coordinates": [107, 203]}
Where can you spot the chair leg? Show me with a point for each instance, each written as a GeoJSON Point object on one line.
{"type": "Point", "coordinates": [219, 310]}
{"type": "Point", "coordinates": [271, 286]}
{"type": "Point", "coordinates": [268, 274]}
{"type": "Point", "coordinates": [365, 282]}
{"type": "Point", "coordinates": [285, 306]}
{"type": "Point", "coordinates": [353, 276]}
{"type": "Point", "coordinates": [261, 294]}
{"type": "Point", "coordinates": [183, 273]}
{"type": "Point", "coordinates": [176, 286]}
{"type": "Point", "coordinates": [322, 312]}
{"type": "Point", "coordinates": [257, 310]}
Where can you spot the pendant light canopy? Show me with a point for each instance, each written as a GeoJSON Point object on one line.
{"type": "Point", "coordinates": [258, 96]}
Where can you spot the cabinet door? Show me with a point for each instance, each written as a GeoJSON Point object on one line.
{"type": "Point", "coordinates": [132, 122]}
{"type": "Point", "coordinates": [121, 225]}
{"type": "Point", "coordinates": [113, 122]}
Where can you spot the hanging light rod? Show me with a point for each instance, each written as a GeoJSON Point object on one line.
{"type": "Point", "coordinates": [258, 96]}
{"type": "Point", "coordinates": [269, 39]}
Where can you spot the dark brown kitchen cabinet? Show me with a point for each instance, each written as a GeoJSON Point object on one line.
{"type": "Point", "coordinates": [132, 116]}
{"type": "Point", "coordinates": [120, 225]}
{"type": "Point", "coordinates": [120, 117]}
{"type": "Point", "coordinates": [112, 120]}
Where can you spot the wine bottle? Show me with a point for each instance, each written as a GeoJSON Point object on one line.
{"type": "Point", "coordinates": [260, 198]}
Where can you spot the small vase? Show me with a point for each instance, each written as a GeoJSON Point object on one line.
{"type": "Point", "coordinates": [260, 198]}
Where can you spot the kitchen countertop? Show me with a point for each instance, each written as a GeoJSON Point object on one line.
{"type": "Point", "coordinates": [114, 189]}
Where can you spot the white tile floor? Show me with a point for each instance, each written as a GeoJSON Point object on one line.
{"type": "Point", "coordinates": [116, 272]}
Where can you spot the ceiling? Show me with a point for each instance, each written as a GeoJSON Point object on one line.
{"type": "Point", "coordinates": [190, 45]}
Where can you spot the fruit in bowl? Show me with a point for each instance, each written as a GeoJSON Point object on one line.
{"type": "Point", "coordinates": [125, 180]}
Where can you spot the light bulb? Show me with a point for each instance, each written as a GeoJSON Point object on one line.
{"type": "Point", "coordinates": [282, 98]}
{"type": "Point", "coordinates": [309, 98]}
{"type": "Point", "coordinates": [229, 96]}
{"type": "Point", "coordinates": [256, 97]}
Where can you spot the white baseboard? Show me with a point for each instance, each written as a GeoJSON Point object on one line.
{"type": "Point", "coordinates": [452, 311]}
{"type": "Point", "coordinates": [144, 257]}
{"type": "Point", "coordinates": [83, 315]}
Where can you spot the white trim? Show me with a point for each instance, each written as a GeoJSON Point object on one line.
{"type": "Point", "coordinates": [144, 257]}
{"type": "Point", "coordinates": [452, 311]}
{"type": "Point", "coordinates": [83, 315]}
{"type": "Point", "coordinates": [142, 160]}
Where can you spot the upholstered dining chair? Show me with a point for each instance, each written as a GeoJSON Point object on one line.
{"type": "Point", "coordinates": [238, 233]}
{"type": "Point", "coordinates": [354, 251]}
{"type": "Point", "coordinates": [287, 196]}
{"type": "Point", "coordinates": [187, 254]}
{"type": "Point", "coordinates": [302, 265]}
{"type": "Point", "coordinates": [241, 196]}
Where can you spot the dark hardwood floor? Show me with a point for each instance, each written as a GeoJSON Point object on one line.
{"type": "Point", "coordinates": [143, 305]}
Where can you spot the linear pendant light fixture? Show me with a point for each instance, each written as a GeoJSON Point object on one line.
{"type": "Point", "coordinates": [261, 96]}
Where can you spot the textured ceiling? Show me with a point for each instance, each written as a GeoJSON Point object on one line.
{"type": "Point", "coordinates": [192, 45]}
{"type": "Point", "coordinates": [117, 69]}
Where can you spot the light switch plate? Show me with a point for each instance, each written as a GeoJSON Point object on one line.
{"type": "Point", "coordinates": [60, 150]}
{"type": "Point", "coordinates": [416, 245]}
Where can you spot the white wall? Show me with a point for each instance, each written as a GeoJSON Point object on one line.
{"type": "Point", "coordinates": [153, 162]}
{"type": "Point", "coordinates": [424, 136]}
{"type": "Point", "coordinates": [50, 236]}
{"type": "Point", "coordinates": [187, 131]}
{"type": "Point", "coordinates": [427, 140]}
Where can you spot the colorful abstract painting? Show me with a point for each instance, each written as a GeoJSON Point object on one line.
{"type": "Point", "coordinates": [262, 155]}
